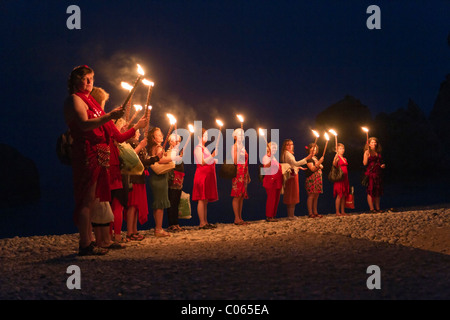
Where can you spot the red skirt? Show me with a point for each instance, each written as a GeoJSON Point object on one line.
{"type": "Point", "coordinates": [205, 183]}
{"type": "Point", "coordinates": [138, 198]}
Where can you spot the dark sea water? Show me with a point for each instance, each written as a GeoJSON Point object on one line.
{"type": "Point", "coordinates": [53, 213]}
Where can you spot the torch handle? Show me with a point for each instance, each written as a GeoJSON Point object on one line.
{"type": "Point", "coordinates": [131, 92]}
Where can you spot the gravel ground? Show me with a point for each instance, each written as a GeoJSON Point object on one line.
{"type": "Point", "coordinates": [296, 259]}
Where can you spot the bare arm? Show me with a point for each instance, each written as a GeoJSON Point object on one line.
{"type": "Point", "coordinates": [336, 160]}
{"type": "Point", "coordinates": [163, 157]}
{"type": "Point", "coordinates": [366, 157]}
{"type": "Point", "coordinates": [76, 110]}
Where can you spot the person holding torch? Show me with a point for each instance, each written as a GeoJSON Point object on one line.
{"type": "Point", "coordinates": [93, 154]}
{"type": "Point", "coordinates": [374, 164]}
{"type": "Point", "coordinates": [313, 181]}
{"type": "Point", "coordinates": [205, 181]}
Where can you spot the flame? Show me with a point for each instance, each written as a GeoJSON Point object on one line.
{"type": "Point", "coordinates": [171, 118]}
{"type": "Point", "coordinates": [138, 107]}
{"type": "Point", "coordinates": [148, 83]}
{"type": "Point", "coordinates": [316, 133]}
{"type": "Point", "coordinates": [126, 86]}
{"type": "Point", "coordinates": [333, 132]}
{"type": "Point", "coordinates": [220, 123]}
{"type": "Point", "coordinates": [261, 131]}
{"type": "Point", "coordinates": [191, 128]}
{"type": "Point", "coordinates": [365, 129]}
{"type": "Point", "coordinates": [149, 107]}
{"type": "Point", "coordinates": [326, 136]}
{"type": "Point", "coordinates": [240, 117]}
{"type": "Point", "coordinates": [140, 70]}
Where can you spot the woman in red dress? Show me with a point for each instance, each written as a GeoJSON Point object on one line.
{"type": "Point", "coordinates": [242, 179]}
{"type": "Point", "coordinates": [205, 181]}
{"type": "Point", "coordinates": [93, 133]}
{"type": "Point", "coordinates": [374, 165]}
{"type": "Point", "coordinates": [341, 188]}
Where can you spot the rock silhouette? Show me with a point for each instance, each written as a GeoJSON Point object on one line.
{"type": "Point", "coordinates": [19, 178]}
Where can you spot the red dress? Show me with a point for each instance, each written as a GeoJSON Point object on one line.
{"type": "Point", "coordinates": [342, 188]}
{"type": "Point", "coordinates": [374, 188]}
{"type": "Point", "coordinates": [239, 183]}
{"type": "Point", "coordinates": [94, 154]}
{"type": "Point", "coordinates": [205, 182]}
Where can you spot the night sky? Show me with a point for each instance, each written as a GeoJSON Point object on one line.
{"type": "Point", "coordinates": [279, 63]}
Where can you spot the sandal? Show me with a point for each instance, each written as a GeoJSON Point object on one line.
{"type": "Point", "coordinates": [135, 237]}
{"type": "Point", "coordinates": [92, 250]}
{"type": "Point", "coordinates": [271, 219]}
{"type": "Point", "coordinates": [175, 228]}
{"type": "Point", "coordinates": [208, 226]}
{"type": "Point", "coordinates": [162, 233]}
{"type": "Point", "coordinates": [115, 246]}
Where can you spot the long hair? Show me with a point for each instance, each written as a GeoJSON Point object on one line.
{"type": "Point", "coordinates": [378, 148]}
{"type": "Point", "coordinates": [76, 74]}
{"type": "Point", "coordinates": [151, 141]}
{"type": "Point", "coordinates": [283, 148]}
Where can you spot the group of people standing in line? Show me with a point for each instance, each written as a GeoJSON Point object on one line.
{"type": "Point", "coordinates": [104, 196]}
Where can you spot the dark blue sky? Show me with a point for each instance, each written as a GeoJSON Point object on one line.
{"type": "Point", "coordinates": [279, 63]}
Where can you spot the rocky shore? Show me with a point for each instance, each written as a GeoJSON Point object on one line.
{"type": "Point", "coordinates": [302, 258]}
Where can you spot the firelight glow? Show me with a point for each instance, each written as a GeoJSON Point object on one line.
{"type": "Point", "coordinates": [172, 119]}
{"type": "Point", "coordinates": [140, 70]}
{"type": "Point", "coordinates": [148, 83]}
{"type": "Point", "coordinates": [220, 123]}
{"type": "Point", "coordinates": [126, 86]}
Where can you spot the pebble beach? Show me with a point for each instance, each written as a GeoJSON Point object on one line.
{"type": "Point", "coordinates": [292, 259]}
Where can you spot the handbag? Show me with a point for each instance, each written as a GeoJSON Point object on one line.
{"type": "Point", "coordinates": [184, 208]}
{"type": "Point", "coordinates": [350, 200]}
{"type": "Point", "coordinates": [129, 160]}
{"type": "Point", "coordinates": [228, 171]}
{"type": "Point", "coordinates": [365, 180]}
{"type": "Point", "coordinates": [336, 174]}
{"type": "Point", "coordinates": [101, 212]}
{"type": "Point", "coordinates": [64, 148]}
{"type": "Point", "coordinates": [159, 168]}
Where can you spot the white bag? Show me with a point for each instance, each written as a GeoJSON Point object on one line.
{"type": "Point", "coordinates": [184, 208]}
{"type": "Point", "coordinates": [101, 212]}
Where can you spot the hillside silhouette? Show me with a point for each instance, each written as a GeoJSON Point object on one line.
{"type": "Point", "coordinates": [415, 146]}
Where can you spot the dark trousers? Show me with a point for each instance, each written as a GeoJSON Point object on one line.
{"type": "Point", "coordinates": [172, 212]}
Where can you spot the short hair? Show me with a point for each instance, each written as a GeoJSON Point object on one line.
{"type": "Point", "coordinates": [76, 74]}
{"type": "Point", "coordinates": [238, 131]}
{"type": "Point", "coordinates": [310, 146]}
{"type": "Point", "coordinates": [99, 95]}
